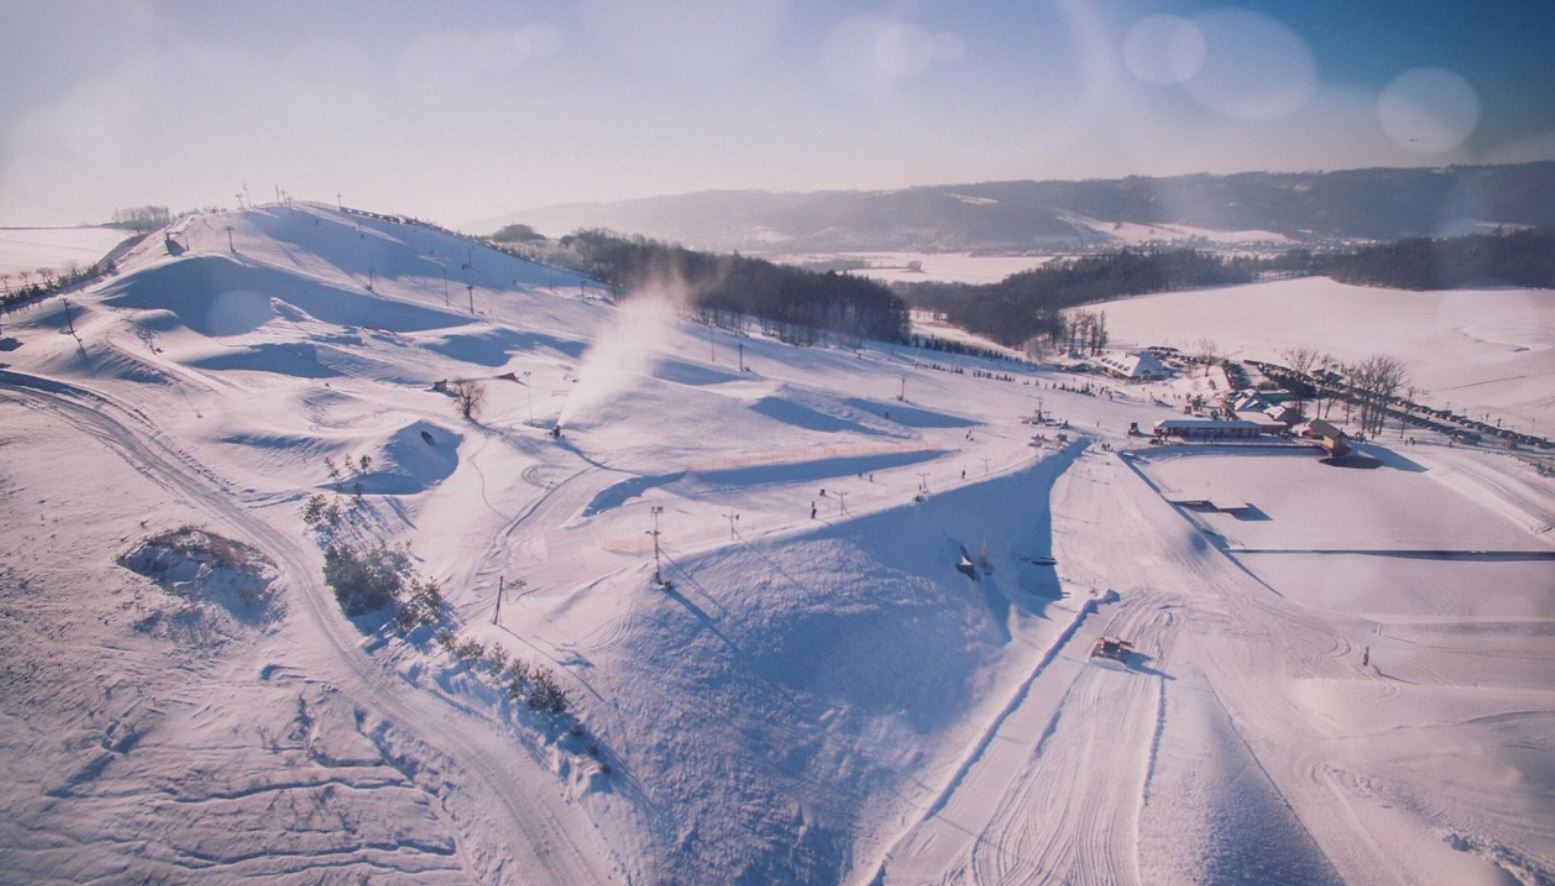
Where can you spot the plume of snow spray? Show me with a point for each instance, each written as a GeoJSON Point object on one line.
{"type": "Point", "coordinates": [626, 348]}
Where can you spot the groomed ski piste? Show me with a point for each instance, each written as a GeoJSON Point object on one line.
{"type": "Point", "coordinates": [1354, 680]}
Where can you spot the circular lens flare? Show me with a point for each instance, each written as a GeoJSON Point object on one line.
{"type": "Point", "coordinates": [1428, 110]}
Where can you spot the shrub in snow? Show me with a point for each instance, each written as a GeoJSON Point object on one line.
{"type": "Point", "coordinates": [423, 608]}
{"type": "Point", "coordinates": [469, 650]}
{"type": "Point", "coordinates": [447, 639]}
{"type": "Point", "coordinates": [547, 695]}
{"type": "Point", "coordinates": [496, 659]}
{"type": "Point", "coordinates": [364, 580]}
{"type": "Point", "coordinates": [313, 510]}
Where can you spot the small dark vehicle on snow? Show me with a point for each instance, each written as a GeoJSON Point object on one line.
{"type": "Point", "coordinates": [1111, 649]}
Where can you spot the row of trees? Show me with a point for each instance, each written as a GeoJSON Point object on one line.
{"type": "Point", "coordinates": [141, 218]}
{"type": "Point", "coordinates": [33, 284]}
{"type": "Point", "coordinates": [797, 305]}
{"type": "Point", "coordinates": [1371, 383]}
{"type": "Point", "coordinates": [1517, 258]}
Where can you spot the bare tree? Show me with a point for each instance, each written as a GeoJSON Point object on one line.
{"type": "Point", "coordinates": [468, 396]}
{"type": "Point", "coordinates": [1375, 381]}
{"type": "Point", "coordinates": [1209, 352]}
{"type": "Point", "coordinates": [1301, 359]}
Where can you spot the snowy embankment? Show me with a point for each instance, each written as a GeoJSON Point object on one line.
{"type": "Point", "coordinates": [824, 693]}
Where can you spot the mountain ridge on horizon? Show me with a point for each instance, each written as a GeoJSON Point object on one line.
{"type": "Point", "coordinates": [1372, 203]}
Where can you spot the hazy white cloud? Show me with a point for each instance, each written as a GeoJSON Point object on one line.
{"type": "Point", "coordinates": [870, 54]}
{"type": "Point", "coordinates": [446, 65]}
{"type": "Point", "coordinates": [1428, 110]}
{"type": "Point", "coordinates": [1255, 68]}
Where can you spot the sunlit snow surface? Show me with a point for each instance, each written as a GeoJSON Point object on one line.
{"type": "Point", "coordinates": [815, 699]}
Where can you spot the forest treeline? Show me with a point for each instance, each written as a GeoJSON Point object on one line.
{"type": "Point", "coordinates": [1029, 305]}
{"type": "Point", "coordinates": [1519, 258]}
{"type": "Point", "coordinates": [797, 305]}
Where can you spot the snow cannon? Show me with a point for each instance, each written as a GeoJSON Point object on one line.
{"type": "Point", "coordinates": [1112, 652]}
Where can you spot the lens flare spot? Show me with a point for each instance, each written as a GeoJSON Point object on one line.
{"type": "Point", "coordinates": [1428, 110]}
{"type": "Point", "coordinates": [1164, 50]}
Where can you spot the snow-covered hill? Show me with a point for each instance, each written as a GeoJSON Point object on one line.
{"type": "Point", "coordinates": [821, 695]}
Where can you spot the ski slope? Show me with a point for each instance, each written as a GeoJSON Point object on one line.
{"type": "Point", "coordinates": [820, 696]}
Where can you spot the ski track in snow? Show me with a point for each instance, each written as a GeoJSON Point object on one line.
{"type": "Point", "coordinates": [548, 845]}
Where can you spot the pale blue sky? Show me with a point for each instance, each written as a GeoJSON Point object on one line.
{"type": "Point", "coordinates": [464, 111]}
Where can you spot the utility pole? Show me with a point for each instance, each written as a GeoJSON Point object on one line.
{"type": "Point", "coordinates": [842, 502]}
{"type": "Point", "coordinates": [923, 482]}
{"type": "Point", "coordinates": [741, 346]}
{"type": "Point", "coordinates": [230, 246]}
{"type": "Point", "coordinates": [470, 287]}
{"type": "Point", "coordinates": [371, 274]}
{"type": "Point", "coordinates": [445, 286]}
{"type": "Point", "coordinates": [903, 395]}
{"type": "Point", "coordinates": [658, 577]}
{"type": "Point", "coordinates": [733, 519]}
{"type": "Point", "coordinates": [339, 204]}
{"type": "Point", "coordinates": [70, 325]}
{"type": "Point", "coordinates": [712, 355]}
{"type": "Point", "coordinates": [495, 616]}
{"type": "Point", "coordinates": [530, 390]}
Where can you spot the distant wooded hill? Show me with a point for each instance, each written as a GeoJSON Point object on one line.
{"type": "Point", "coordinates": [1031, 304]}
{"type": "Point", "coordinates": [1361, 204]}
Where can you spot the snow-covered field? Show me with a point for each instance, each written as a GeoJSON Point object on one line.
{"type": "Point", "coordinates": [1482, 351]}
{"type": "Point", "coordinates": [821, 696]}
{"type": "Point", "coordinates": [1139, 234]}
{"type": "Point", "coordinates": [931, 267]}
{"type": "Point", "coordinates": [28, 249]}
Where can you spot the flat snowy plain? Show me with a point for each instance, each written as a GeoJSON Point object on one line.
{"type": "Point", "coordinates": [28, 249]}
{"type": "Point", "coordinates": [815, 699]}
